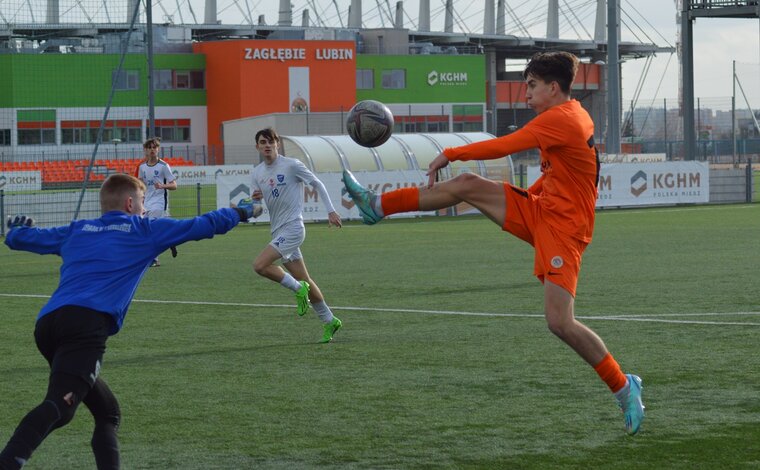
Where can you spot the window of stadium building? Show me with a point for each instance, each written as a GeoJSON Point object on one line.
{"type": "Point", "coordinates": [86, 132]}
{"type": "Point", "coordinates": [468, 126]}
{"type": "Point", "coordinates": [126, 79]}
{"type": "Point", "coordinates": [38, 136]}
{"type": "Point", "coordinates": [365, 79]}
{"type": "Point", "coordinates": [163, 80]}
{"type": "Point", "coordinates": [437, 127]}
{"type": "Point", "coordinates": [167, 79]}
{"type": "Point", "coordinates": [5, 137]}
{"type": "Point", "coordinates": [173, 130]}
{"type": "Point", "coordinates": [394, 79]}
{"type": "Point", "coordinates": [468, 118]}
{"type": "Point", "coordinates": [413, 124]}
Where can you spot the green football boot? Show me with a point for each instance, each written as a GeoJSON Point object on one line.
{"type": "Point", "coordinates": [302, 297]}
{"type": "Point", "coordinates": [330, 329]}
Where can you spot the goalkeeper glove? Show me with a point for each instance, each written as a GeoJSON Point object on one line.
{"type": "Point", "coordinates": [20, 221]}
{"type": "Point", "coordinates": [248, 208]}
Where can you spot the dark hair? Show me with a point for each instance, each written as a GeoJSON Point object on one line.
{"type": "Point", "coordinates": [153, 141]}
{"type": "Point", "coordinates": [550, 67]}
{"type": "Point", "coordinates": [268, 133]}
{"type": "Point", "coordinates": [116, 188]}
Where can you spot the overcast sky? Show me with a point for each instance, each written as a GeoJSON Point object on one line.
{"type": "Point", "coordinates": [717, 42]}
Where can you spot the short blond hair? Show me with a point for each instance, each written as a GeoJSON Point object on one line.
{"type": "Point", "coordinates": [116, 189]}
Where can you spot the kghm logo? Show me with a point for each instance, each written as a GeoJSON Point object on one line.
{"type": "Point", "coordinates": [432, 78]}
{"type": "Point", "coordinates": [446, 78]}
{"type": "Point", "coordinates": [241, 190]}
{"type": "Point", "coordinates": [638, 183]}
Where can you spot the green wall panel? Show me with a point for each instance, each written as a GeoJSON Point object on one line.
{"type": "Point", "coordinates": [83, 80]}
{"type": "Point", "coordinates": [35, 115]}
{"type": "Point", "coordinates": [429, 78]}
{"type": "Point", "coordinates": [181, 98]}
{"type": "Point", "coordinates": [6, 83]}
{"type": "Point", "coordinates": [179, 61]}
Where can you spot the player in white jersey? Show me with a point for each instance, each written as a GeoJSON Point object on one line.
{"type": "Point", "coordinates": [159, 180]}
{"type": "Point", "coordinates": [279, 181]}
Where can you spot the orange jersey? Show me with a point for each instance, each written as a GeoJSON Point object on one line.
{"type": "Point", "coordinates": [567, 188]}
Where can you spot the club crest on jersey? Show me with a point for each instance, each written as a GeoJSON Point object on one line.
{"type": "Point", "coordinates": [557, 262]}
{"type": "Point", "coordinates": [155, 172]}
{"type": "Point", "coordinates": [280, 178]}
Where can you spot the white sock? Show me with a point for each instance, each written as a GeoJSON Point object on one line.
{"type": "Point", "coordinates": [622, 394]}
{"type": "Point", "coordinates": [324, 312]}
{"type": "Point", "coordinates": [377, 206]}
{"type": "Point", "coordinates": [290, 282]}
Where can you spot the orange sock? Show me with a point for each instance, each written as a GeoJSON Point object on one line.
{"type": "Point", "coordinates": [609, 371]}
{"type": "Point", "coordinates": [401, 200]}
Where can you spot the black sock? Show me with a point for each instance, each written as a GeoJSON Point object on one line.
{"type": "Point", "coordinates": [105, 446]}
{"type": "Point", "coordinates": [29, 435]}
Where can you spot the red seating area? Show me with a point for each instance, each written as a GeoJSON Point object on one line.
{"type": "Point", "coordinates": [73, 171]}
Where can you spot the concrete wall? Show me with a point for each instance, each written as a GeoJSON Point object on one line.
{"type": "Point", "coordinates": [238, 135]}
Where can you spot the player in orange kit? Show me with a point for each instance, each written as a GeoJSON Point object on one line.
{"type": "Point", "coordinates": [555, 215]}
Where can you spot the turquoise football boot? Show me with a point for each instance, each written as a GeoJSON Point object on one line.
{"type": "Point", "coordinates": [362, 197]}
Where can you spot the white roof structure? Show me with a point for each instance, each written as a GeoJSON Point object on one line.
{"type": "Point", "coordinates": [333, 153]}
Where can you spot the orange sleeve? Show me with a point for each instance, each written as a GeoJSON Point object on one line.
{"type": "Point", "coordinates": [537, 185]}
{"type": "Point", "coordinates": [493, 148]}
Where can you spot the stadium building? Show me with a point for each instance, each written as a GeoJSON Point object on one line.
{"type": "Point", "coordinates": [78, 96]}
{"type": "Point", "coordinates": [57, 79]}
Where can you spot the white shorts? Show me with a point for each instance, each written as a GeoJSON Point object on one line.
{"type": "Point", "coordinates": [287, 240]}
{"type": "Point", "coordinates": [156, 214]}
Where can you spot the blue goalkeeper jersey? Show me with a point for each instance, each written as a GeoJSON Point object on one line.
{"type": "Point", "coordinates": [104, 259]}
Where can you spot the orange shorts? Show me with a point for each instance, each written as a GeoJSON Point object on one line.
{"type": "Point", "coordinates": [558, 255]}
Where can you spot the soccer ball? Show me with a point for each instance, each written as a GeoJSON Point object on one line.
{"type": "Point", "coordinates": [369, 123]}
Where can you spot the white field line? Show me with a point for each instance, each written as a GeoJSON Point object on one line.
{"type": "Point", "coordinates": [625, 211]}
{"type": "Point", "coordinates": [653, 318]}
{"type": "Point", "coordinates": [645, 210]}
{"type": "Point", "coordinates": [652, 210]}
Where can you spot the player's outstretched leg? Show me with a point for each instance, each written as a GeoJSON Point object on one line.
{"type": "Point", "coordinates": [362, 197]}
{"type": "Point", "coordinates": [302, 297]}
{"type": "Point", "coordinates": [330, 330]}
{"type": "Point", "coordinates": [630, 402]}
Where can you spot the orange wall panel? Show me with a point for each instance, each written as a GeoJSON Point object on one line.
{"type": "Point", "coordinates": [513, 92]}
{"type": "Point", "coordinates": [253, 77]}
{"type": "Point", "coordinates": [510, 92]}
{"type": "Point", "coordinates": [222, 85]}
{"type": "Point", "coordinates": [587, 77]}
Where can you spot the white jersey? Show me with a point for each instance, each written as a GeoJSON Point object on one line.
{"type": "Point", "coordinates": [161, 172]}
{"type": "Point", "coordinates": [281, 185]}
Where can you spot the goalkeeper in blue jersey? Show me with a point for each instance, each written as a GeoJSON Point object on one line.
{"type": "Point", "coordinates": [104, 260]}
